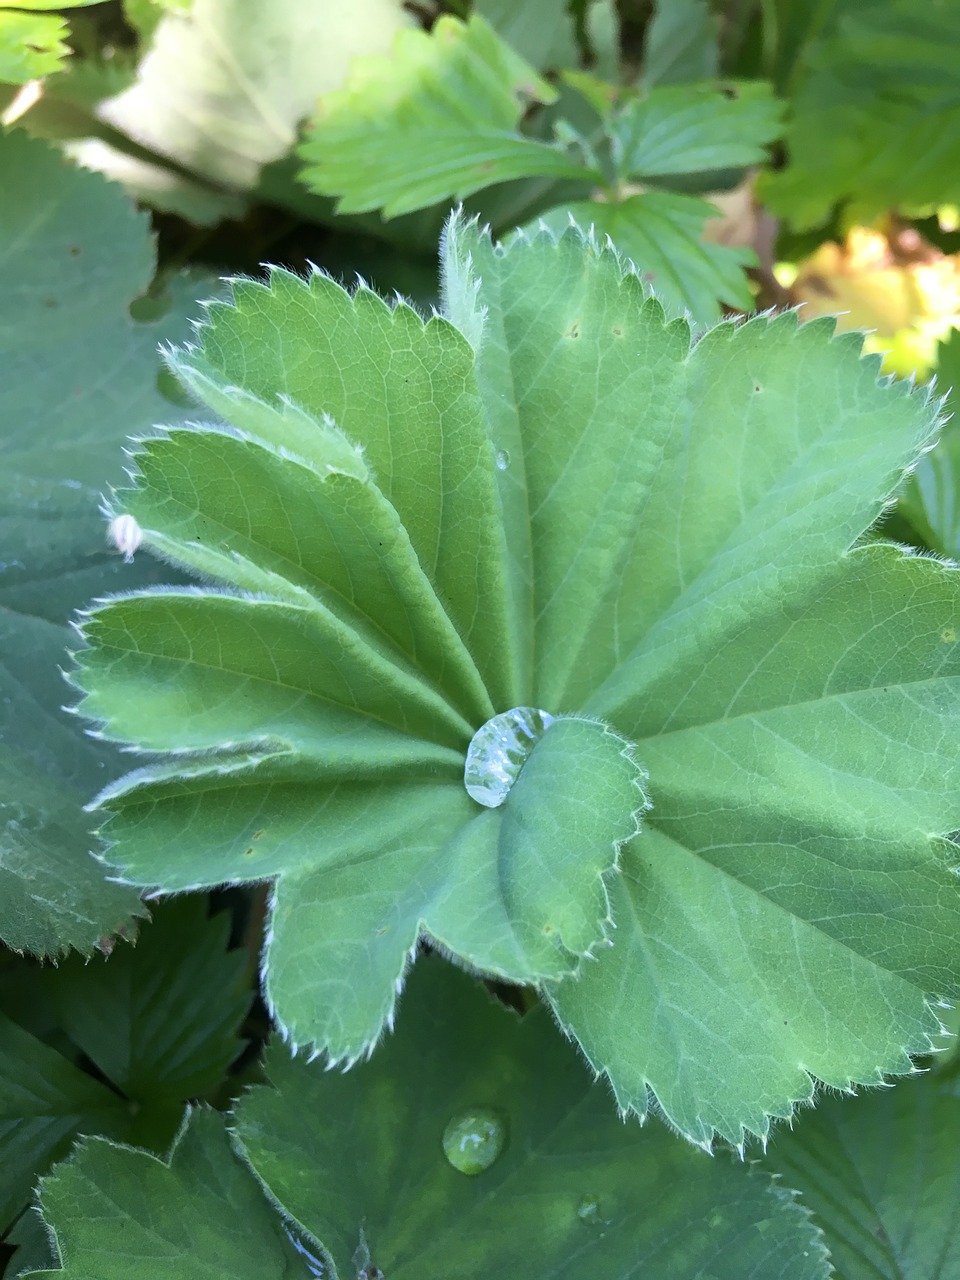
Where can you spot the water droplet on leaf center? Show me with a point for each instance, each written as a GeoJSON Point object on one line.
{"type": "Point", "coordinates": [498, 750]}
{"type": "Point", "coordinates": [473, 1140]}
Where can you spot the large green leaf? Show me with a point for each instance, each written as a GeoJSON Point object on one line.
{"type": "Point", "coordinates": [880, 1175]}
{"type": "Point", "coordinates": [224, 84]}
{"type": "Point", "coordinates": [876, 114]}
{"type": "Point", "coordinates": [158, 1022]}
{"type": "Point", "coordinates": [613, 523]}
{"type": "Point", "coordinates": [542, 1180]}
{"type": "Point", "coordinates": [438, 118]}
{"type": "Point", "coordinates": [77, 373]}
{"type": "Point", "coordinates": [117, 1212]}
{"type": "Point", "coordinates": [351, 686]}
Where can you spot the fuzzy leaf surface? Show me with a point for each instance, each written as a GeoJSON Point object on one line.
{"type": "Point", "coordinates": [643, 532]}
{"type": "Point", "coordinates": [75, 256]}
{"type": "Point", "coordinates": [573, 1194]}
{"type": "Point", "coordinates": [861, 129]}
{"type": "Point", "coordinates": [436, 118]}
{"type": "Point", "coordinates": [879, 1173]}
{"type": "Point", "coordinates": [117, 1212]}
{"type": "Point", "coordinates": [324, 717]}
{"type": "Point", "coordinates": [789, 880]}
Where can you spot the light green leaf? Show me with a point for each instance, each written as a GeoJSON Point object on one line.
{"type": "Point", "coordinates": [792, 875]}
{"type": "Point", "coordinates": [117, 1212]}
{"type": "Point", "coordinates": [44, 1103]}
{"type": "Point", "coordinates": [224, 84]}
{"type": "Point", "coordinates": [437, 118]}
{"type": "Point", "coordinates": [691, 129]}
{"type": "Point", "coordinates": [31, 46]}
{"type": "Point", "coordinates": [662, 235]}
{"type": "Point", "coordinates": [879, 1174]}
{"type": "Point", "coordinates": [680, 43]}
{"type": "Point", "coordinates": [358, 1162]}
{"type": "Point", "coordinates": [639, 531]}
{"type": "Point", "coordinates": [76, 254]}
{"type": "Point", "coordinates": [729, 597]}
{"type": "Point", "coordinates": [861, 128]}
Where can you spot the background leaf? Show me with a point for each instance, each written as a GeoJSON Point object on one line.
{"type": "Point", "coordinates": [157, 1022]}
{"type": "Point", "coordinates": [535, 31]}
{"type": "Point", "coordinates": [224, 84]}
{"type": "Point", "coordinates": [680, 43]}
{"type": "Point", "coordinates": [31, 1239]}
{"type": "Point", "coordinates": [929, 501]}
{"type": "Point", "coordinates": [31, 45]}
{"type": "Point", "coordinates": [437, 118]}
{"type": "Point", "coordinates": [879, 1173]}
{"type": "Point", "coordinates": [861, 127]}
{"type": "Point", "coordinates": [662, 233]}
{"type": "Point", "coordinates": [118, 1212]}
{"type": "Point", "coordinates": [46, 1101]}
{"type": "Point", "coordinates": [693, 129]}
{"type": "Point", "coordinates": [77, 256]}
{"type": "Point", "coordinates": [575, 1193]}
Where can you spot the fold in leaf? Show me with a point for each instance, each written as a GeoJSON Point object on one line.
{"type": "Point", "coordinates": [636, 540]}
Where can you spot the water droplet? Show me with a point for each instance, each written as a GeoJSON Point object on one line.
{"type": "Point", "coordinates": [473, 1140]}
{"type": "Point", "coordinates": [497, 753]}
{"type": "Point", "coordinates": [125, 534]}
{"type": "Point", "coordinates": [588, 1211]}
{"type": "Point", "coordinates": [502, 460]}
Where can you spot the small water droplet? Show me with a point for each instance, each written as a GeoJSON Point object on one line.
{"type": "Point", "coordinates": [502, 460]}
{"type": "Point", "coordinates": [473, 1140]}
{"type": "Point", "coordinates": [125, 534]}
{"type": "Point", "coordinates": [588, 1211]}
{"type": "Point", "coordinates": [497, 753]}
